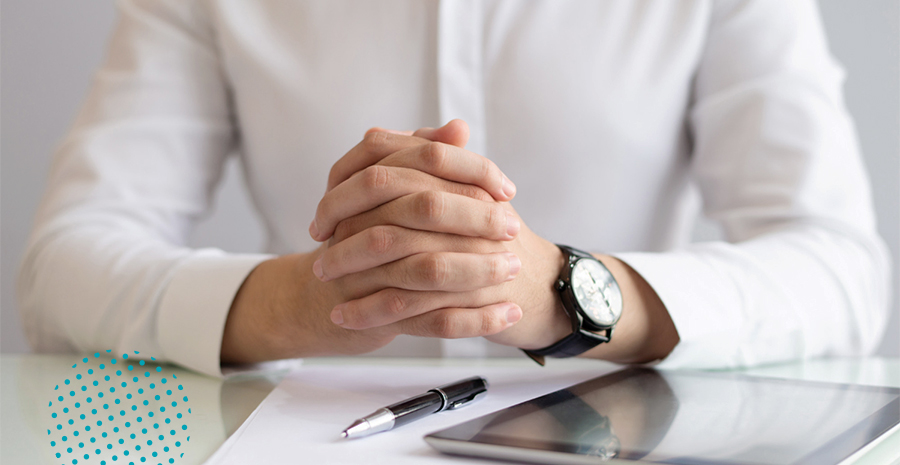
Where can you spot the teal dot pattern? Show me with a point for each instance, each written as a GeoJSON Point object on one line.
{"type": "Point", "coordinates": [118, 410]}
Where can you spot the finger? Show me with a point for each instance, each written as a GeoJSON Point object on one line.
{"type": "Point", "coordinates": [392, 131]}
{"type": "Point", "coordinates": [398, 275]}
{"type": "Point", "coordinates": [454, 164]}
{"type": "Point", "coordinates": [392, 305]}
{"type": "Point", "coordinates": [376, 145]}
{"type": "Point", "coordinates": [456, 132]}
{"type": "Point", "coordinates": [436, 211]}
{"type": "Point", "coordinates": [424, 268]}
{"type": "Point", "coordinates": [389, 213]}
{"type": "Point", "coordinates": [379, 142]}
{"type": "Point", "coordinates": [453, 323]}
{"type": "Point", "coordinates": [375, 186]}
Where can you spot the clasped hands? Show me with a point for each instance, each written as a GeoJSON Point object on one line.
{"type": "Point", "coordinates": [418, 238]}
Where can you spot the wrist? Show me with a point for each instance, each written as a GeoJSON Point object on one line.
{"type": "Point", "coordinates": [258, 327]}
{"type": "Point", "coordinates": [553, 321]}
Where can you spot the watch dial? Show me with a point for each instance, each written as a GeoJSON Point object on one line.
{"type": "Point", "coordinates": [597, 292]}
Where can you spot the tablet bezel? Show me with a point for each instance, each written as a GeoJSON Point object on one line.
{"type": "Point", "coordinates": [467, 439]}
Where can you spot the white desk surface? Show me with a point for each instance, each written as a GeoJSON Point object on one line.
{"type": "Point", "coordinates": [26, 383]}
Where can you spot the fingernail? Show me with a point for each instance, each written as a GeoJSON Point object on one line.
{"type": "Point", "coordinates": [512, 224]}
{"type": "Point", "coordinates": [513, 314]}
{"type": "Point", "coordinates": [508, 187]}
{"type": "Point", "coordinates": [317, 269]}
{"type": "Point", "coordinates": [514, 265]}
{"type": "Point", "coordinates": [337, 317]}
{"type": "Point", "coordinates": [314, 230]}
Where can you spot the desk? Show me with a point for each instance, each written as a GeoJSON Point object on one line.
{"type": "Point", "coordinates": [222, 405]}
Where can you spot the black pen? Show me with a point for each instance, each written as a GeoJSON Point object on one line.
{"type": "Point", "coordinates": [447, 397]}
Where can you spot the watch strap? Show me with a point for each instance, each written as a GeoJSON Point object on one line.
{"type": "Point", "coordinates": [574, 344]}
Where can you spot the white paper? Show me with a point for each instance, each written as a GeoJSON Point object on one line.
{"type": "Point", "coordinates": [301, 420]}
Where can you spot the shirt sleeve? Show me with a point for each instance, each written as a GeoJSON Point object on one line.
{"type": "Point", "coordinates": [107, 265]}
{"type": "Point", "coordinates": [802, 272]}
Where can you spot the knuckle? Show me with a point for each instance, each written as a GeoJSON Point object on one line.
{"type": "Point", "coordinates": [490, 323]}
{"type": "Point", "coordinates": [395, 304]}
{"type": "Point", "coordinates": [444, 326]}
{"type": "Point", "coordinates": [497, 271]}
{"type": "Point", "coordinates": [376, 177]}
{"type": "Point", "coordinates": [435, 156]}
{"type": "Point", "coordinates": [495, 219]}
{"type": "Point", "coordinates": [379, 240]}
{"type": "Point", "coordinates": [434, 270]}
{"type": "Point", "coordinates": [431, 206]}
{"type": "Point", "coordinates": [375, 141]}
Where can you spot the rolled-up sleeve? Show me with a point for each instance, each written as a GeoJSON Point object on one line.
{"type": "Point", "coordinates": [107, 266]}
{"type": "Point", "coordinates": [802, 272]}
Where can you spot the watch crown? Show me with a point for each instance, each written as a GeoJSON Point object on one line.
{"type": "Point", "coordinates": [560, 284]}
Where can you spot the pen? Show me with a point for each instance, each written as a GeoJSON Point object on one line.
{"type": "Point", "coordinates": [446, 397]}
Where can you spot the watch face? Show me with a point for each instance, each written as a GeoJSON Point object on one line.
{"type": "Point", "coordinates": [597, 292]}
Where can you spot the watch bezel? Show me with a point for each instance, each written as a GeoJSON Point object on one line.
{"type": "Point", "coordinates": [581, 320]}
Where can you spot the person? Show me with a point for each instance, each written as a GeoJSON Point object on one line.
{"type": "Point", "coordinates": [601, 125]}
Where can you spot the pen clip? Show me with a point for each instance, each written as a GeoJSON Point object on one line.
{"type": "Point", "coordinates": [467, 400]}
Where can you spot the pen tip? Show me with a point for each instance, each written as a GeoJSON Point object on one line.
{"type": "Point", "coordinates": [344, 434]}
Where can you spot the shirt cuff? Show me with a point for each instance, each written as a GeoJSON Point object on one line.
{"type": "Point", "coordinates": [195, 305]}
{"type": "Point", "coordinates": [698, 301]}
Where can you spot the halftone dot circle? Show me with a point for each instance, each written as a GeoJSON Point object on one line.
{"type": "Point", "coordinates": [90, 375]}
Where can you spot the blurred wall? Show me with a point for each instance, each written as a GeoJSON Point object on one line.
{"type": "Point", "coordinates": [50, 49]}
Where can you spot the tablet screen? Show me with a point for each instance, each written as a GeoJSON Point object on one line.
{"type": "Point", "coordinates": [687, 417]}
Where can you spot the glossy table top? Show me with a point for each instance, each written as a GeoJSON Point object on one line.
{"type": "Point", "coordinates": [27, 384]}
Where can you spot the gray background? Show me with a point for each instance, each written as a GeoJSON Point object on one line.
{"type": "Point", "coordinates": [50, 49]}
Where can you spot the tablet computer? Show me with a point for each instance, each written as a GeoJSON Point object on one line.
{"type": "Point", "coordinates": [656, 416]}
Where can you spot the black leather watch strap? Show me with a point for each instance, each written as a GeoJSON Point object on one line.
{"type": "Point", "coordinates": [574, 344]}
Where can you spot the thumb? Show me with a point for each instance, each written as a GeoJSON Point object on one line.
{"type": "Point", "coordinates": [456, 132]}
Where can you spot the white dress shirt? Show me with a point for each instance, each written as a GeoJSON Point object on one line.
{"type": "Point", "coordinates": [618, 121]}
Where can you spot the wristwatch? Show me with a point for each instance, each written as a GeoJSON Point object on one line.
{"type": "Point", "coordinates": [592, 299]}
